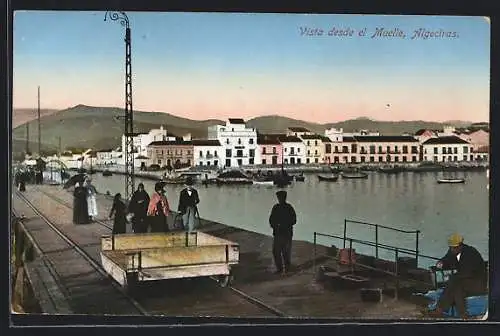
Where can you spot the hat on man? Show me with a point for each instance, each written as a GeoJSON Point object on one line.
{"type": "Point", "coordinates": [189, 181]}
{"type": "Point", "coordinates": [455, 240]}
{"type": "Point", "coordinates": [281, 193]}
{"type": "Point", "coordinates": [159, 186]}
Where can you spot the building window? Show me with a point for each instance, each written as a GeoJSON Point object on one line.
{"type": "Point", "coordinates": [328, 148]}
{"type": "Point", "coordinates": [263, 161]}
{"type": "Point", "coordinates": [227, 141]}
{"type": "Point", "coordinates": [315, 142]}
{"type": "Point", "coordinates": [298, 150]}
{"type": "Point", "coordinates": [299, 161]}
{"type": "Point", "coordinates": [274, 150]}
{"type": "Point", "coordinates": [405, 150]}
{"type": "Point", "coordinates": [455, 150]}
{"type": "Point", "coordinates": [216, 163]}
{"type": "Point", "coordinates": [250, 141]}
{"type": "Point", "coordinates": [380, 159]}
{"type": "Point", "coordinates": [372, 159]}
{"type": "Point", "coordinates": [449, 151]}
{"type": "Point", "coordinates": [443, 150]}
{"type": "Point", "coordinates": [414, 158]}
{"type": "Point", "coordinates": [307, 160]}
{"type": "Point", "coordinates": [396, 159]}
{"type": "Point", "coordinates": [466, 150]}
{"type": "Point", "coordinates": [250, 161]}
{"type": "Point", "coordinates": [251, 153]}
{"type": "Point", "coordinates": [215, 154]}
{"type": "Point", "coordinates": [449, 158]}
{"type": "Point", "coordinates": [372, 149]}
{"type": "Point", "coordinates": [455, 158]}
{"type": "Point", "coordinates": [396, 149]}
{"type": "Point", "coordinates": [239, 153]}
{"type": "Point", "coordinates": [201, 154]}
{"type": "Point", "coordinates": [308, 143]}
{"type": "Point", "coordinates": [308, 152]}
{"type": "Point", "coordinates": [380, 150]}
{"type": "Point", "coordinates": [363, 159]}
{"type": "Point", "coordinates": [435, 150]}
{"type": "Point", "coordinates": [404, 158]}
{"type": "Point", "coordinates": [201, 163]}
{"type": "Point", "coordinates": [353, 159]}
{"type": "Point", "coordinates": [465, 156]}
{"type": "Point", "coordinates": [354, 148]}
{"type": "Point", "coordinates": [263, 150]}
{"type": "Point", "coordinates": [388, 149]}
{"type": "Point", "coordinates": [228, 154]}
{"type": "Point", "coordinates": [316, 160]}
{"type": "Point", "coordinates": [228, 162]}
{"type": "Point", "coordinates": [316, 152]}
{"type": "Point", "coordinates": [239, 141]}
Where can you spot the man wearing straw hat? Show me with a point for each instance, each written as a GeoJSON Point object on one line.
{"type": "Point", "coordinates": [470, 277]}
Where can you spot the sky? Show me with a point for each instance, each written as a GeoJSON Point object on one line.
{"type": "Point", "coordinates": [221, 65]}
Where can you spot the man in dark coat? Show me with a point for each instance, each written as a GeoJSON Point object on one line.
{"type": "Point", "coordinates": [282, 220]}
{"type": "Point", "coordinates": [188, 201]}
{"type": "Point", "coordinates": [470, 277]}
{"type": "Point", "coordinates": [80, 209]}
{"type": "Point", "coordinates": [139, 207]}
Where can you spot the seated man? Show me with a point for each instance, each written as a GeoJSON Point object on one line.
{"type": "Point", "coordinates": [469, 279]}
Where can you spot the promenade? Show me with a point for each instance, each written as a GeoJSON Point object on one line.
{"type": "Point", "coordinates": [298, 294]}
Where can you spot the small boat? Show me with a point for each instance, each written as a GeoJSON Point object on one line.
{"type": "Point", "coordinates": [233, 177]}
{"type": "Point", "coordinates": [106, 173]}
{"type": "Point", "coordinates": [263, 182]}
{"type": "Point", "coordinates": [331, 178]}
{"type": "Point", "coordinates": [451, 180]}
{"type": "Point", "coordinates": [390, 169]}
{"type": "Point", "coordinates": [354, 175]}
{"type": "Point", "coordinates": [174, 180]}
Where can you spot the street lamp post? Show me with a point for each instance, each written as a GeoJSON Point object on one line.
{"type": "Point", "coordinates": [129, 119]}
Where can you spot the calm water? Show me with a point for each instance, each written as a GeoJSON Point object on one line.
{"type": "Point", "coordinates": [408, 201]}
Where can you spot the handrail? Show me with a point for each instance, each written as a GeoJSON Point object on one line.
{"type": "Point", "coordinates": [377, 226]}
{"type": "Point", "coordinates": [370, 243]}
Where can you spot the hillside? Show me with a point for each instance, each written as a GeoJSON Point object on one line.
{"type": "Point", "coordinates": [101, 127]}
{"type": "Point", "coordinates": [23, 115]}
{"type": "Point", "coordinates": [272, 124]}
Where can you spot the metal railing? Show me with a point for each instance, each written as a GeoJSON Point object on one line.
{"type": "Point", "coordinates": [377, 244]}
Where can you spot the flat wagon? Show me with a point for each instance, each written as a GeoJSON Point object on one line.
{"type": "Point", "coordinates": [133, 258]}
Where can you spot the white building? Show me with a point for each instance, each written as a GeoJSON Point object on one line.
{"type": "Point", "coordinates": [447, 149]}
{"type": "Point", "coordinates": [141, 140]}
{"type": "Point", "coordinates": [334, 134]}
{"type": "Point", "coordinates": [208, 153]}
{"type": "Point", "coordinates": [108, 157]}
{"type": "Point", "coordinates": [298, 131]}
{"type": "Point", "coordinates": [238, 141]}
{"type": "Point", "coordinates": [294, 150]}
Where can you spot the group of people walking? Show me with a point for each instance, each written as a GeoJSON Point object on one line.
{"type": "Point", "coordinates": [84, 202]}
{"type": "Point", "coordinates": [150, 213]}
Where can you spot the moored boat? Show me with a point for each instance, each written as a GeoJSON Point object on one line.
{"type": "Point", "coordinates": [107, 173]}
{"type": "Point", "coordinates": [451, 180]}
{"type": "Point", "coordinates": [390, 169]}
{"type": "Point", "coordinates": [299, 178]}
{"type": "Point", "coordinates": [328, 178]}
{"type": "Point", "coordinates": [263, 182]}
{"type": "Point", "coordinates": [354, 175]}
{"type": "Point", "coordinates": [233, 177]}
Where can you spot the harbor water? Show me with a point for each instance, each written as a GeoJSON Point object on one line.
{"type": "Point", "coordinates": [407, 201]}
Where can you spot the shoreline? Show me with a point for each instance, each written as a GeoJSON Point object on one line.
{"type": "Point", "coordinates": [409, 167]}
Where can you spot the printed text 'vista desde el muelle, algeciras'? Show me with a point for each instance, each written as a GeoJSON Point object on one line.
{"type": "Point", "coordinates": [379, 32]}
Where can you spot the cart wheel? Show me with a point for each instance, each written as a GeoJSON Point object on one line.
{"type": "Point", "coordinates": [225, 280]}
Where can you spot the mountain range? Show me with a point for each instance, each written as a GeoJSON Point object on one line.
{"type": "Point", "coordinates": [84, 126]}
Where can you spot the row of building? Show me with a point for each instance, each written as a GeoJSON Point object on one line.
{"type": "Point", "coordinates": [235, 144]}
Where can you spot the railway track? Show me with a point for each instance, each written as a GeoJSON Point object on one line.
{"type": "Point", "coordinates": [73, 245]}
{"type": "Point", "coordinates": [248, 298]}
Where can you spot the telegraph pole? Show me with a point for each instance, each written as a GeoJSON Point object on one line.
{"type": "Point", "coordinates": [129, 119]}
{"type": "Point", "coordinates": [27, 137]}
{"type": "Point", "coordinates": [39, 128]}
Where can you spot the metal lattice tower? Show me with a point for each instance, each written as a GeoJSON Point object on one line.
{"type": "Point", "coordinates": [129, 119]}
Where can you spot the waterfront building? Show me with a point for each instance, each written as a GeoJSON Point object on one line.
{"type": "Point", "coordinates": [447, 149]}
{"type": "Point", "coordinates": [482, 153]}
{"type": "Point", "coordinates": [335, 135]}
{"type": "Point", "coordinates": [142, 139]}
{"type": "Point", "coordinates": [208, 153]}
{"type": "Point", "coordinates": [176, 154]}
{"type": "Point", "coordinates": [294, 150]}
{"type": "Point", "coordinates": [384, 148]}
{"type": "Point", "coordinates": [238, 141]}
{"type": "Point", "coordinates": [423, 134]}
{"type": "Point", "coordinates": [479, 138]}
{"type": "Point", "coordinates": [108, 157]}
{"type": "Point", "coordinates": [270, 149]}
{"type": "Point", "coordinates": [298, 131]}
{"type": "Point", "coordinates": [314, 147]}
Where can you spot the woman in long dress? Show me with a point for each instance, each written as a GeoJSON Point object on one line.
{"type": "Point", "coordinates": [158, 210]}
{"type": "Point", "coordinates": [119, 212]}
{"type": "Point", "coordinates": [91, 199]}
{"type": "Point", "coordinates": [80, 211]}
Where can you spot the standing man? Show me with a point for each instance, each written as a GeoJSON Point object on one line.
{"type": "Point", "coordinates": [282, 220]}
{"type": "Point", "coordinates": [188, 201]}
{"type": "Point", "coordinates": [139, 207]}
{"type": "Point", "coordinates": [469, 279]}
